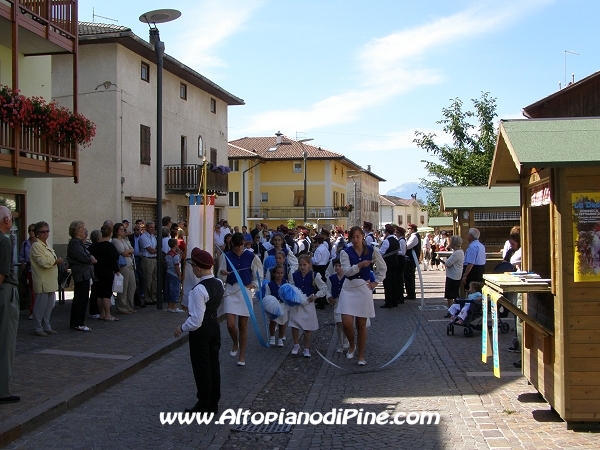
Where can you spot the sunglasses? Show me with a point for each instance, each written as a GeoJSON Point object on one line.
{"type": "Point", "coordinates": [43, 231]}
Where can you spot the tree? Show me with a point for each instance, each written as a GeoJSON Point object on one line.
{"type": "Point", "coordinates": [467, 162]}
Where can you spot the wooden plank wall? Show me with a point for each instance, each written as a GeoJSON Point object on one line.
{"type": "Point", "coordinates": [582, 310]}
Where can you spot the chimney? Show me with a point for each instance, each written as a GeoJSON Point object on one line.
{"type": "Point", "coordinates": [369, 168]}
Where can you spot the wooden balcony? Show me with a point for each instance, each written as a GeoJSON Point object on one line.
{"type": "Point", "coordinates": [296, 212]}
{"type": "Point", "coordinates": [45, 26]}
{"type": "Point", "coordinates": [188, 178]}
{"type": "Point", "coordinates": [24, 153]}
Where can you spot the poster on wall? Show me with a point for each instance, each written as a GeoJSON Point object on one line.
{"type": "Point", "coordinates": [586, 234]}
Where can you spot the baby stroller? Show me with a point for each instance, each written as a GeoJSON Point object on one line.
{"type": "Point", "coordinates": [474, 318]}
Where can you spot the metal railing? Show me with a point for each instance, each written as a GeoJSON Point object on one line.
{"type": "Point", "coordinates": [296, 212]}
{"type": "Point", "coordinates": [61, 15]}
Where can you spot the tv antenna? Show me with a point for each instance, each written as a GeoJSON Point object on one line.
{"type": "Point", "coordinates": [572, 53]}
{"type": "Point", "coordinates": [94, 15]}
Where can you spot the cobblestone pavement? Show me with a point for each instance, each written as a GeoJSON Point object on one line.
{"type": "Point", "coordinates": [437, 373]}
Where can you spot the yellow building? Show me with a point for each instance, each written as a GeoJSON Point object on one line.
{"type": "Point", "coordinates": [272, 176]}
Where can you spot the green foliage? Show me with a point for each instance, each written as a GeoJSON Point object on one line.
{"type": "Point", "coordinates": [468, 160]}
{"type": "Point", "coordinates": [291, 224]}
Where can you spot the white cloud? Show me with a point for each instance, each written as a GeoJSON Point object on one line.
{"type": "Point", "coordinates": [208, 23]}
{"type": "Point", "coordinates": [400, 140]}
{"type": "Point", "coordinates": [389, 66]}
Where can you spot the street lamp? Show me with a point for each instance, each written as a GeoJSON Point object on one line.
{"type": "Point", "coordinates": [154, 17]}
{"type": "Point", "coordinates": [302, 141]}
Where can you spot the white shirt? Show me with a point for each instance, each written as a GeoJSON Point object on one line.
{"type": "Point", "coordinates": [321, 256]}
{"type": "Point", "coordinates": [219, 241]}
{"type": "Point", "coordinates": [197, 299]}
{"type": "Point", "coordinates": [402, 250]}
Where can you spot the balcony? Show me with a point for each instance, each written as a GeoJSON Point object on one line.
{"type": "Point", "coordinates": [45, 26]}
{"type": "Point", "coordinates": [296, 212]}
{"type": "Point", "coordinates": [180, 179]}
{"type": "Point", "coordinates": [36, 157]}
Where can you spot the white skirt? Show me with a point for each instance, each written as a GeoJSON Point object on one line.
{"type": "Point", "coordinates": [356, 299]}
{"type": "Point", "coordinates": [233, 300]}
{"type": "Point", "coordinates": [282, 320]}
{"type": "Point", "coordinates": [304, 317]}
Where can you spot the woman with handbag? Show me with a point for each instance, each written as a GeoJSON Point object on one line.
{"type": "Point", "coordinates": [105, 270]}
{"type": "Point", "coordinates": [125, 299]}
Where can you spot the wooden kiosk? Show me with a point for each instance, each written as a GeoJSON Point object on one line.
{"type": "Point", "coordinates": [556, 164]}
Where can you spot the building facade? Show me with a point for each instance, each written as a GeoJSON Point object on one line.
{"type": "Point", "coordinates": [270, 174]}
{"type": "Point", "coordinates": [119, 169]}
{"type": "Point", "coordinates": [401, 211]}
{"type": "Point", "coordinates": [29, 37]}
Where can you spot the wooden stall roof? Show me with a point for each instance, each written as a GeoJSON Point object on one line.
{"type": "Point", "coordinates": [543, 143]}
{"type": "Point", "coordinates": [479, 197]}
{"type": "Point", "coordinates": [440, 221]}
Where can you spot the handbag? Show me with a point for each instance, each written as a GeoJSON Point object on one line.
{"type": "Point", "coordinates": [118, 283]}
{"type": "Point", "coordinates": [122, 261]}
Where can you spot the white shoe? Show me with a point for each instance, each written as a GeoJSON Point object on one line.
{"type": "Point", "coordinates": [30, 317]}
{"type": "Point", "coordinates": [362, 363]}
{"type": "Point", "coordinates": [94, 316]}
{"type": "Point", "coordinates": [232, 353]}
{"type": "Point", "coordinates": [339, 350]}
{"type": "Point", "coordinates": [241, 363]}
{"type": "Point", "coordinates": [346, 345]}
{"type": "Point", "coordinates": [279, 342]}
{"type": "Point", "coordinates": [272, 341]}
{"type": "Point", "coordinates": [177, 310]}
{"type": "Point", "coordinates": [350, 355]}
{"type": "Point", "coordinates": [306, 353]}
{"type": "Point", "coordinates": [296, 349]}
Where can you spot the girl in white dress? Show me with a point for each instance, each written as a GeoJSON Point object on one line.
{"type": "Point", "coordinates": [356, 296]}
{"type": "Point", "coordinates": [305, 316]}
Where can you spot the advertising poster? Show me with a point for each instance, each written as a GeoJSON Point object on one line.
{"type": "Point", "coordinates": [484, 325]}
{"type": "Point", "coordinates": [496, 357]}
{"type": "Point", "coordinates": [586, 236]}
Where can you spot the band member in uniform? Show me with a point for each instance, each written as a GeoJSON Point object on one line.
{"type": "Point", "coordinates": [234, 305]}
{"type": "Point", "coordinates": [389, 251]}
{"type": "Point", "coordinates": [413, 252]}
{"type": "Point", "coordinates": [205, 333]}
{"type": "Point", "coordinates": [356, 296]}
{"type": "Point", "coordinates": [400, 235]}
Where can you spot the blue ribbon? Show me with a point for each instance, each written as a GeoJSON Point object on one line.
{"type": "Point", "coordinates": [247, 300]}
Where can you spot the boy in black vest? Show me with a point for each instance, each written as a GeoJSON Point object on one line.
{"type": "Point", "coordinates": [205, 335]}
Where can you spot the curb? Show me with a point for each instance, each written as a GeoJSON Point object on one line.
{"type": "Point", "coordinates": [27, 421]}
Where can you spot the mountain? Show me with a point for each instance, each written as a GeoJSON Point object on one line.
{"type": "Point", "coordinates": [407, 189]}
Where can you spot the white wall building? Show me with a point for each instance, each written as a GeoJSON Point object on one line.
{"type": "Point", "coordinates": [117, 91]}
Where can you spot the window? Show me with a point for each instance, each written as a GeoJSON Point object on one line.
{"type": "Point", "coordinates": [213, 156]}
{"type": "Point", "coordinates": [183, 91]}
{"type": "Point", "coordinates": [299, 198]}
{"type": "Point", "coordinates": [342, 199]}
{"type": "Point", "coordinates": [213, 106]}
{"type": "Point", "coordinates": [399, 220]}
{"type": "Point", "coordinates": [234, 165]}
{"type": "Point", "coordinates": [264, 197]}
{"type": "Point", "coordinates": [297, 167]}
{"type": "Point", "coordinates": [422, 219]}
{"type": "Point", "coordinates": [144, 145]}
{"type": "Point", "coordinates": [145, 72]}
{"type": "Point", "coordinates": [234, 199]}
{"type": "Point", "coordinates": [408, 218]}
{"type": "Point", "coordinates": [335, 199]}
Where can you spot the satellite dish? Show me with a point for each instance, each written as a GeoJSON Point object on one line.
{"type": "Point", "coordinates": [160, 16]}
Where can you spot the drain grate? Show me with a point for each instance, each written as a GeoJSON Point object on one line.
{"type": "Point", "coordinates": [271, 428]}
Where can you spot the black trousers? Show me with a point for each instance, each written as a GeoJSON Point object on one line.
{"type": "Point", "coordinates": [94, 299]}
{"type": "Point", "coordinates": [81, 292]}
{"type": "Point", "coordinates": [476, 274]}
{"type": "Point", "coordinates": [390, 285]}
{"type": "Point", "coordinates": [400, 277]}
{"type": "Point", "coordinates": [409, 278]}
{"type": "Point", "coordinates": [205, 343]}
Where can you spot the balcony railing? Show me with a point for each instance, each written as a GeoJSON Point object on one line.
{"type": "Point", "coordinates": [55, 20]}
{"type": "Point", "coordinates": [295, 212]}
{"type": "Point", "coordinates": [36, 155]}
{"type": "Point", "coordinates": [188, 178]}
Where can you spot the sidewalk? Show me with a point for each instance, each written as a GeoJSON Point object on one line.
{"type": "Point", "coordinates": [55, 373]}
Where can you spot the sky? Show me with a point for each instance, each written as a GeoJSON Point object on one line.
{"type": "Point", "coordinates": [359, 77]}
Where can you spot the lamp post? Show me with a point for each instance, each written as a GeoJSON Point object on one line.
{"type": "Point", "coordinates": [304, 155]}
{"type": "Point", "coordinates": [154, 17]}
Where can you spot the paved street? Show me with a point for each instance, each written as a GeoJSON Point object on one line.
{"type": "Point", "coordinates": [437, 373]}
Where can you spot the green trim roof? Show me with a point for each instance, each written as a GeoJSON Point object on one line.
{"type": "Point", "coordinates": [529, 143]}
{"type": "Point", "coordinates": [472, 197]}
{"type": "Point", "coordinates": [440, 221]}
